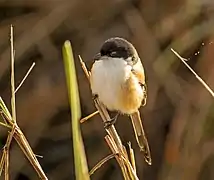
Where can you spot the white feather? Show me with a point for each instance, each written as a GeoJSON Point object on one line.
{"type": "Point", "coordinates": [107, 78]}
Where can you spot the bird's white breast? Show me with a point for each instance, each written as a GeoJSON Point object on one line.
{"type": "Point", "coordinates": [108, 77]}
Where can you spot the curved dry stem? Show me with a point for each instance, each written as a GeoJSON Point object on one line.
{"type": "Point", "coordinates": [101, 163]}
{"type": "Point", "coordinates": [196, 75]}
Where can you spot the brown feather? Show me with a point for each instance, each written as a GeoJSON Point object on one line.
{"type": "Point", "coordinates": [129, 96]}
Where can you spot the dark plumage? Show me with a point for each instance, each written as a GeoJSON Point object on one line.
{"type": "Point", "coordinates": [118, 47]}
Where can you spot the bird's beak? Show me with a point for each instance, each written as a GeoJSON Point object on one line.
{"type": "Point", "coordinates": [97, 56]}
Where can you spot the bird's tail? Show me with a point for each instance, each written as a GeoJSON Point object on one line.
{"type": "Point", "coordinates": [140, 136]}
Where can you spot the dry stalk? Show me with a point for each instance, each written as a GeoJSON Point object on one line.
{"type": "Point", "coordinates": [113, 139]}
{"type": "Point", "coordinates": [16, 133]}
{"type": "Point", "coordinates": [114, 149]}
{"type": "Point", "coordinates": [13, 97]}
{"type": "Point", "coordinates": [132, 157]}
{"type": "Point", "coordinates": [13, 107]}
{"type": "Point", "coordinates": [196, 75]}
{"type": "Point", "coordinates": [25, 77]}
{"type": "Point", "coordinates": [25, 146]}
{"type": "Point", "coordinates": [89, 116]}
{"type": "Point", "coordinates": [6, 152]}
{"type": "Point", "coordinates": [100, 163]}
{"type": "Point", "coordinates": [6, 166]}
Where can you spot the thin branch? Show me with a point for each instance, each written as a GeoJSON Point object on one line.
{"type": "Point", "coordinates": [27, 150]}
{"type": "Point", "coordinates": [6, 151]}
{"type": "Point", "coordinates": [16, 131]}
{"type": "Point", "coordinates": [129, 166]}
{"type": "Point", "coordinates": [25, 77]}
{"type": "Point", "coordinates": [13, 98]}
{"type": "Point", "coordinates": [39, 156]}
{"type": "Point", "coordinates": [115, 150]}
{"type": "Point", "coordinates": [2, 163]}
{"type": "Point", "coordinates": [87, 73]}
{"type": "Point", "coordinates": [13, 107]}
{"type": "Point", "coordinates": [5, 125]}
{"type": "Point", "coordinates": [6, 165]}
{"type": "Point", "coordinates": [100, 163]}
{"type": "Point", "coordinates": [196, 75]}
{"type": "Point", "coordinates": [132, 157]}
{"type": "Point", "coordinates": [89, 116]}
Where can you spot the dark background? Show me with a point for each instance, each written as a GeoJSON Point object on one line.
{"type": "Point", "coordinates": [178, 117]}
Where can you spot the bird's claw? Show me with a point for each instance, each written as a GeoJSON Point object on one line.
{"type": "Point", "coordinates": [107, 124]}
{"type": "Point", "coordinates": [110, 122]}
{"type": "Point", "coordinates": [94, 96]}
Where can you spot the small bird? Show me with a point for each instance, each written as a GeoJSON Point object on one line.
{"type": "Point", "coordinates": [118, 81]}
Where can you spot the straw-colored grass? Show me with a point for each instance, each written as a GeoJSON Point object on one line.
{"type": "Point", "coordinates": [9, 121]}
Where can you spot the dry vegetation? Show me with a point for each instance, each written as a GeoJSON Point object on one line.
{"type": "Point", "coordinates": [178, 117]}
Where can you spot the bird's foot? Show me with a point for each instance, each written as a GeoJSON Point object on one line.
{"type": "Point", "coordinates": [112, 121]}
{"type": "Point", "coordinates": [94, 96]}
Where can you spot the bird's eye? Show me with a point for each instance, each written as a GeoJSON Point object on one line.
{"type": "Point", "coordinates": [113, 53]}
{"type": "Point", "coordinates": [134, 59]}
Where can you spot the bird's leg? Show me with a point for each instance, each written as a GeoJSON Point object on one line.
{"type": "Point", "coordinates": [112, 121]}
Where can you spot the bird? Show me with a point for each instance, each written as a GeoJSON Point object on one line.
{"type": "Point", "coordinates": [118, 81]}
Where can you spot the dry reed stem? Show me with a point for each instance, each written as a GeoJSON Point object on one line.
{"type": "Point", "coordinates": [6, 166]}
{"type": "Point", "coordinates": [2, 162]}
{"type": "Point", "coordinates": [114, 149]}
{"type": "Point", "coordinates": [6, 152]}
{"type": "Point", "coordinates": [113, 139]}
{"type": "Point", "coordinates": [16, 131]}
{"type": "Point", "coordinates": [13, 107]}
{"type": "Point", "coordinates": [100, 163]}
{"type": "Point", "coordinates": [88, 117]}
{"type": "Point", "coordinates": [25, 146]}
{"type": "Point", "coordinates": [196, 75]}
{"type": "Point", "coordinates": [132, 157]}
{"type": "Point", "coordinates": [13, 97]}
{"type": "Point", "coordinates": [25, 77]}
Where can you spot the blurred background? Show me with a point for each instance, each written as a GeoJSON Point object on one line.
{"type": "Point", "coordinates": [178, 117]}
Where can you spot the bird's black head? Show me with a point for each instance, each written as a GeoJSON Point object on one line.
{"type": "Point", "coordinates": [118, 48]}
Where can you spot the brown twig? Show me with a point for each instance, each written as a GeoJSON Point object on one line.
{"type": "Point", "coordinates": [132, 157]}
{"type": "Point", "coordinates": [6, 164]}
{"type": "Point", "coordinates": [114, 149]}
{"type": "Point", "coordinates": [13, 107]}
{"type": "Point", "coordinates": [25, 147]}
{"type": "Point", "coordinates": [25, 77]}
{"type": "Point", "coordinates": [6, 152]}
{"type": "Point", "coordinates": [16, 132]}
{"type": "Point", "coordinates": [13, 97]}
{"type": "Point", "coordinates": [196, 75]}
{"type": "Point", "coordinates": [87, 73]}
{"type": "Point", "coordinates": [100, 163]}
{"type": "Point", "coordinates": [89, 116]}
{"type": "Point", "coordinates": [2, 163]}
